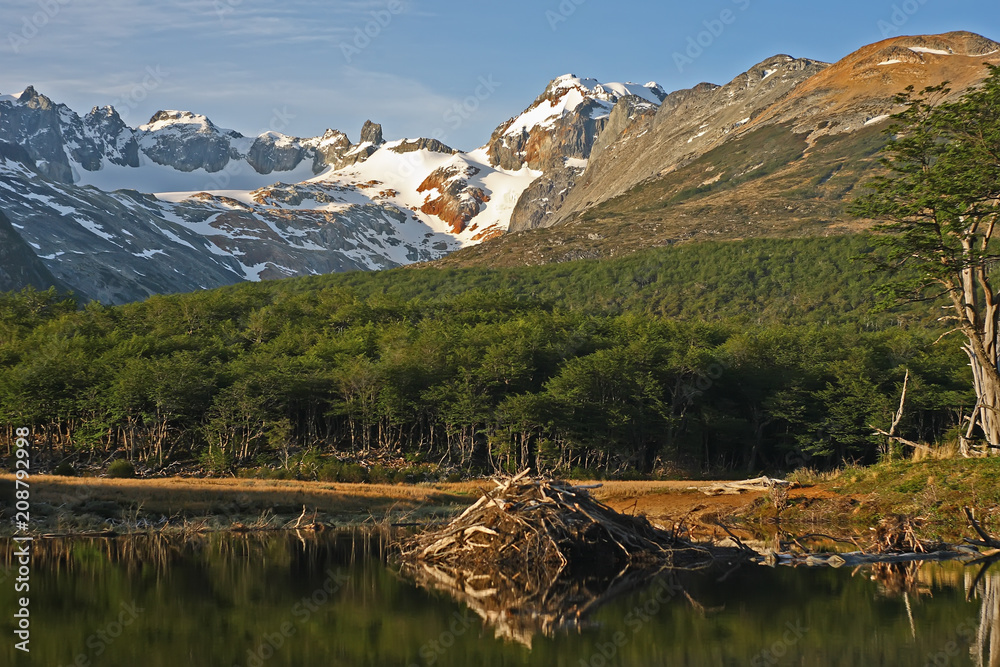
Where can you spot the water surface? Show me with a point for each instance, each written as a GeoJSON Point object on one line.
{"type": "Point", "coordinates": [290, 600]}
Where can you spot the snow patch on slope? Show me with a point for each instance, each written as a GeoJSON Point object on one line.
{"type": "Point", "coordinates": [924, 49]}
{"type": "Point", "coordinates": [571, 92]}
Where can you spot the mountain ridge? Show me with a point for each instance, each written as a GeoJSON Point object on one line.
{"type": "Point", "coordinates": [692, 171]}
{"type": "Point", "coordinates": [180, 203]}
{"type": "Point", "coordinates": [93, 195]}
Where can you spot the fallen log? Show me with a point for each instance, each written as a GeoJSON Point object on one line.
{"type": "Point", "coordinates": [734, 488]}
{"type": "Point", "coordinates": [855, 558]}
{"type": "Point", "coordinates": [895, 540]}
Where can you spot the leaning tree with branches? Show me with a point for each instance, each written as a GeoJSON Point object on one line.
{"type": "Point", "coordinates": [937, 208]}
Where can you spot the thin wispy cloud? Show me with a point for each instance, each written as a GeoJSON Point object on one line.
{"type": "Point", "coordinates": [405, 63]}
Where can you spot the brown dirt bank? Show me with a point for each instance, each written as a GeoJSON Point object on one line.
{"type": "Point", "coordinates": [850, 501]}
{"type": "Point", "coordinates": [69, 504]}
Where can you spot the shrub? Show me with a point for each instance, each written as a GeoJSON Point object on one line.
{"type": "Point", "coordinates": [216, 460]}
{"type": "Point", "coordinates": [65, 469]}
{"type": "Point", "coordinates": [353, 473]}
{"type": "Point", "coordinates": [121, 469]}
{"type": "Point", "coordinates": [379, 474]}
{"type": "Point", "coordinates": [330, 471]}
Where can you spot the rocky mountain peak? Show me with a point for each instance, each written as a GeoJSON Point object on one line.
{"type": "Point", "coordinates": [421, 144]}
{"type": "Point", "coordinates": [31, 98]}
{"type": "Point", "coordinates": [371, 140]}
{"type": "Point", "coordinates": [594, 89]}
{"type": "Point", "coordinates": [330, 149]}
{"type": "Point", "coordinates": [107, 111]}
{"type": "Point", "coordinates": [185, 141]}
{"type": "Point", "coordinates": [960, 43]}
{"type": "Point", "coordinates": [562, 122]}
{"type": "Point", "coordinates": [179, 120]}
{"type": "Point", "coordinates": [860, 88]}
{"type": "Point", "coordinates": [639, 143]}
{"type": "Point", "coordinates": [372, 133]}
{"type": "Point", "coordinates": [116, 140]}
{"type": "Point", "coordinates": [274, 151]}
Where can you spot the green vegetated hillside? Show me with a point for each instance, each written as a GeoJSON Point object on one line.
{"type": "Point", "coordinates": [762, 354]}
{"type": "Point", "coordinates": [760, 281]}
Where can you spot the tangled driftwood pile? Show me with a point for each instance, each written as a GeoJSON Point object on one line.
{"type": "Point", "coordinates": [539, 553]}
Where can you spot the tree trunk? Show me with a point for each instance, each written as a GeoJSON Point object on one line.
{"type": "Point", "coordinates": [987, 385]}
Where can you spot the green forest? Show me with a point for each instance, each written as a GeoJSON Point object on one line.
{"type": "Point", "coordinates": [697, 359]}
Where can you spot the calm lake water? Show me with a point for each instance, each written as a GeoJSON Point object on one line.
{"type": "Point", "coordinates": [278, 600]}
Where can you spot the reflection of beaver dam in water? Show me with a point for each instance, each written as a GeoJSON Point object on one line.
{"type": "Point", "coordinates": [538, 554]}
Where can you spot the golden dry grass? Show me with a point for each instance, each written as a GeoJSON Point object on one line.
{"type": "Point", "coordinates": [60, 502]}
{"type": "Point", "coordinates": [203, 497]}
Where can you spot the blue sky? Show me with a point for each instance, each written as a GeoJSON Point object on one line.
{"type": "Point", "coordinates": [301, 66]}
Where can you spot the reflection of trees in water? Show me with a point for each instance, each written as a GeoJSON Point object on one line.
{"type": "Point", "coordinates": [900, 579]}
{"type": "Point", "coordinates": [301, 553]}
{"type": "Point", "coordinates": [985, 649]}
{"type": "Point", "coordinates": [907, 580]}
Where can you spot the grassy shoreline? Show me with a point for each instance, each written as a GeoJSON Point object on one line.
{"type": "Point", "coordinates": [849, 502]}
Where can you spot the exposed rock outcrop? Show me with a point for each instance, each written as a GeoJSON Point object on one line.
{"type": "Point", "coordinates": [422, 144]}
{"type": "Point", "coordinates": [371, 141]}
{"type": "Point", "coordinates": [49, 132]}
{"type": "Point", "coordinates": [450, 197]}
{"type": "Point", "coordinates": [185, 141]}
{"type": "Point", "coordinates": [543, 197]}
{"type": "Point", "coordinates": [562, 122]}
{"type": "Point", "coordinates": [371, 133]}
{"type": "Point", "coordinates": [329, 149]}
{"type": "Point", "coordinates": [19, 267]}
{"type": "Point", "coordinates": [272, 151]}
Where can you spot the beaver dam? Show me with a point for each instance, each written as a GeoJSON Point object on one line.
{"type": "Point", "coordinates": [540, 554]}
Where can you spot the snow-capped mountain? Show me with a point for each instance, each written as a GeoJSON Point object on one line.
{"type": "Point", "coordinates": [563, 122]}
{"type": "Point", "coordinates": [780, 150]}
{"type": "Point", "coordinates": [179, 203]}
{"type": "Point", "coordinates": [557, 134]}
{"type": "Point", "coordinates": [819, 101]}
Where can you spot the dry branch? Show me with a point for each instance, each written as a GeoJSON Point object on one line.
{"type": "Point", "coordinates": [987, 539]}
{"type": "Point", "coordinates": [902, 441]}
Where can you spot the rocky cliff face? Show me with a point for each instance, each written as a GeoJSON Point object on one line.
{"type": "Point", "coordinates": [19, 267]}
{"type": "Point", "coordinates": [547, 195]}
{"type": "Point", "coordinates": [450, 197]}
{"type": "Point", "coordinates": [329, 149]}
{"type": "Point", "coordinates": [371, 141]}
{"type": "Point", "coordinates": [186, 141]}
{"type": "Point", "coordinates": [543, 198]}
{"type": "Point", "coordinates": [57, 139]}
{"type": "Point", "coordinates": [562, 123]}
{"type": "Point", "coordinates": [118, 142]}
{"type": "Point", "coordinates": [273, 151]}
